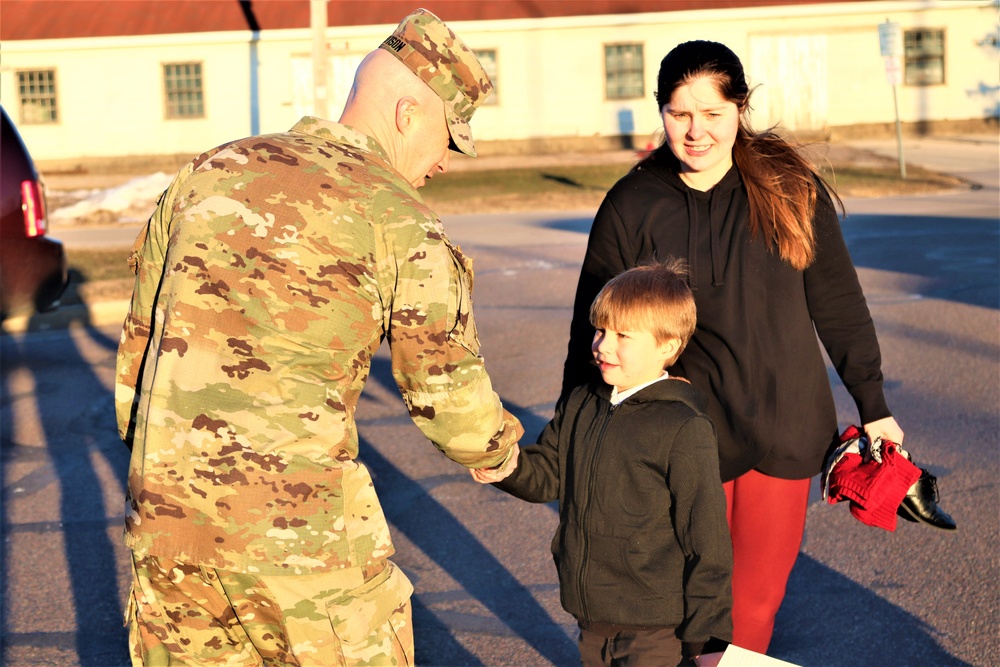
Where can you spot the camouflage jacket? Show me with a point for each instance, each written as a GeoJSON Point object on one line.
{"type": "Point", "coordinates": [266, 279]}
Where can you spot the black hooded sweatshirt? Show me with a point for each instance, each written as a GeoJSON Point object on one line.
{"type": "Point", "coordinates": [642, 540]}
{"type": "Point", "coordinates": [755, 352]}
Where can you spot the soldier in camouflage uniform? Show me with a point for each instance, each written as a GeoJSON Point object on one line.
{"type": "Point", "coordinates": [266, 279]}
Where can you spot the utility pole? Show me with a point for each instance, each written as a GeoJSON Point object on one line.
{"type": "Point", "coordinates": [318, 23]}
{"type": "Point", "coordinates": [251, 18]}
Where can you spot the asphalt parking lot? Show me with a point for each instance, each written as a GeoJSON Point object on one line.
{"type": "Point", "coordinates": [486, 592]}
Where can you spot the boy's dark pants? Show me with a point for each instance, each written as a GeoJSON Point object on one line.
{"type": "Point", "coordinates": [636, 648]}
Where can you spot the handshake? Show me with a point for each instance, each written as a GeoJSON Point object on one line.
{"type": "Point", "coordinates": [500, 472]}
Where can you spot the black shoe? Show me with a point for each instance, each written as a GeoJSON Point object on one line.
{"type": "Point", "coordinates": [921, 504]}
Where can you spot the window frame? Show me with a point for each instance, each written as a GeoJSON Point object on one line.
{"type": "Point", "coordinates": [29, 113]}
{"type": "Point", "coordinates": [173, 109]}
{"type": "Point", "coordinates": [494, 98]}
{"type": "Point", "coordinates": [916, 56]}
{"type": "Point", "coordinates": [621, 86]}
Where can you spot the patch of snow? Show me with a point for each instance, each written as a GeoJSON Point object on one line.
{"type": "Point", "coordinates": [138, 193]}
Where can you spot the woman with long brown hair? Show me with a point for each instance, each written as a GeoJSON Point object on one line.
{"type": "Point", "coordinates": [770, 270]}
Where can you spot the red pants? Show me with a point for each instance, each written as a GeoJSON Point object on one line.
{"type": "Point", "coordinates": [767, 517]}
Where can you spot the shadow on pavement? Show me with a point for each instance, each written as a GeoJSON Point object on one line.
{"type": "Point", "coordinates": [957, 256]}
{"type": "Point", "coordinates": [828, 620]}
{"type": "Point", "coordinates": [579, 225]}
{"type": "Point", "coordinates": [443, 538]}
{"type": "Point", "coordinates": [67, 466]}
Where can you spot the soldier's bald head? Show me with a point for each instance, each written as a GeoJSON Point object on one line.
{"type": "Point", "coordinates": [380, 82]}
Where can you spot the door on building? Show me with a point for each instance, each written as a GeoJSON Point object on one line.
{"type": "Point", "coordinates": [791, 71]}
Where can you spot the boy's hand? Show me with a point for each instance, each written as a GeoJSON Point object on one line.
{"type": "Point", "coordinates": [708, 659]}
{"type": "Point", "coordinates": [490, 475]}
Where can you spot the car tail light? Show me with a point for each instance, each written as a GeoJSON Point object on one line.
{"type": "Point", "coordinates": [33, 205]}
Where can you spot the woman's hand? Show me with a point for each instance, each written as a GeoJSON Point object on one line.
{"type": "Point", "coordinates": [886, 428]}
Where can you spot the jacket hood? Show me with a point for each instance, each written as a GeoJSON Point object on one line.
{"type": "Point", "coordinates": [723, 209]}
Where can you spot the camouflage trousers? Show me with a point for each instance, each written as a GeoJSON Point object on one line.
{"type": "Point", "coordinates": [182, 614]}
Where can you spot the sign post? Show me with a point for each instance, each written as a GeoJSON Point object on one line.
{"type": "Point", "coordinates": [890, 37]}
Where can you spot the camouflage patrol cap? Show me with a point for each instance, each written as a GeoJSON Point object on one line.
{"type": "Point", "coordinates": [434, 53]}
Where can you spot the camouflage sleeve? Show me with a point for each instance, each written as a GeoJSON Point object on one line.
{"type": "Point", "coordinates": [146, 260]}
{"type": "Point", "coordinates": [435, 346]}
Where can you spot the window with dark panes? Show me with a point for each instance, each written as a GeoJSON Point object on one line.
{"type": "Point", "coordinates": [37, 92]}
{"type": "Point", "coordinates": [923, 51]}
{"type": "Point", "coordinates": [488, 59]}
{"type": "Point", "coordinates": [624, 71]}
{"type": "Point", "coordinates": [184, 91]}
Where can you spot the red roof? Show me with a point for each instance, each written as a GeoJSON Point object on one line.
{"type": "Point", "coordinates": [57, 19]}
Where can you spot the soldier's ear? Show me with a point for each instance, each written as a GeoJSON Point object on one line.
{"type": "Point", "coordinates": [406, 113]}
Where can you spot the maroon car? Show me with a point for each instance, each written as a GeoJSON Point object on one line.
{"type": "Point", "coordinates": [33, 271]}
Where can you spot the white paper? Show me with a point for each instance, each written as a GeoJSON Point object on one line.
{"type": "Point", "coordinates": [741, 657]}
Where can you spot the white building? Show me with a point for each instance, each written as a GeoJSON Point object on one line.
{"type": "Point", "coordinates": [562, 82]}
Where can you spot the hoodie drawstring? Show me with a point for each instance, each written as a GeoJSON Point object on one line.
{"type": "Point", "coordinates": [692, 207]}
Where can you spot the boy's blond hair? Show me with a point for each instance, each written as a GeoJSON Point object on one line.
{"type": "Point", "coordinates": [652, 297]}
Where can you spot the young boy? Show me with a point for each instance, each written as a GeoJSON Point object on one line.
{"type": "Point", "coordinates": [642, 549]}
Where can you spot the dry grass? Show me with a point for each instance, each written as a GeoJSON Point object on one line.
{"type": "Point", "coordinates": [855, 181]}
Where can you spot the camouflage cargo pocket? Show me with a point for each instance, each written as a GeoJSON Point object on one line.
{"type": "Point", "coordinates": [464, 333]}
{"type": "Point", "coordinates": [181, 615]}
{"type": "Point", "coordinates": [373, 621]}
